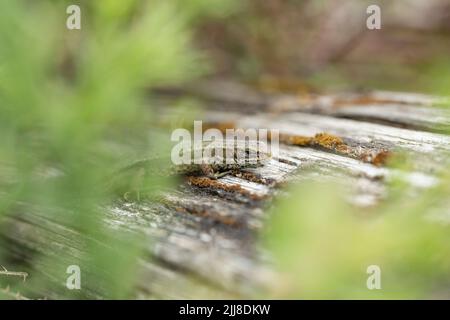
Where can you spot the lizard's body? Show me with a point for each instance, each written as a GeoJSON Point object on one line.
{"type": "Point", "coordinates": [231, 156]}
{"type": "Point", "coordinates": [216, 160]}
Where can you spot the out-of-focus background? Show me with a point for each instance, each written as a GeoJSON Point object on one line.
{"type": "Point", "coordinates": [282, 43]}
{"type": "Point", "coordinates": [75, 105]}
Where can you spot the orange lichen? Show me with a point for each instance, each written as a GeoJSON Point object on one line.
{"type": "Point", "coordinates": [324, 140]}
{"type": "Point", "coordinates": [377, 158]}
{"type": "Point", "coordinates": [381, 158]}
{"type": "Point", "coordinates": [204, 182]}
{"type": "Point", "coordinates": [327, 140]}
{"type": "Point", "coordinates": [336, 144]}
{"type": "Point", "coordinates": [222, 126]}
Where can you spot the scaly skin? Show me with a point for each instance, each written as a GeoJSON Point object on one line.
{"type": "Point", "coordinates": [213, 164]}
{"type": "Point", "coordinates": [233, 157]}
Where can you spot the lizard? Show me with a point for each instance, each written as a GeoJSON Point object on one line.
{"type": "Point", "coordinates": [217, 160]}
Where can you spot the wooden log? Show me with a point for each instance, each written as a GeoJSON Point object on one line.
{"type": "Point", "coordinates": [202, 236]}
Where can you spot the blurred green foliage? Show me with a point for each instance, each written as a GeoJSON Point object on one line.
{"type": "Point", "coordinates": [323, 245]}
{"type": "Point", "coordinates": [73, 105]}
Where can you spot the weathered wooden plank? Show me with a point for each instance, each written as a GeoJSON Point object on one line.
{"type": "Point", "coordinates": [202, 235]}
{"type": "Point", "coordinates": [359, 136]}
{"type": "Point", "coordinates": [404, 109]}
